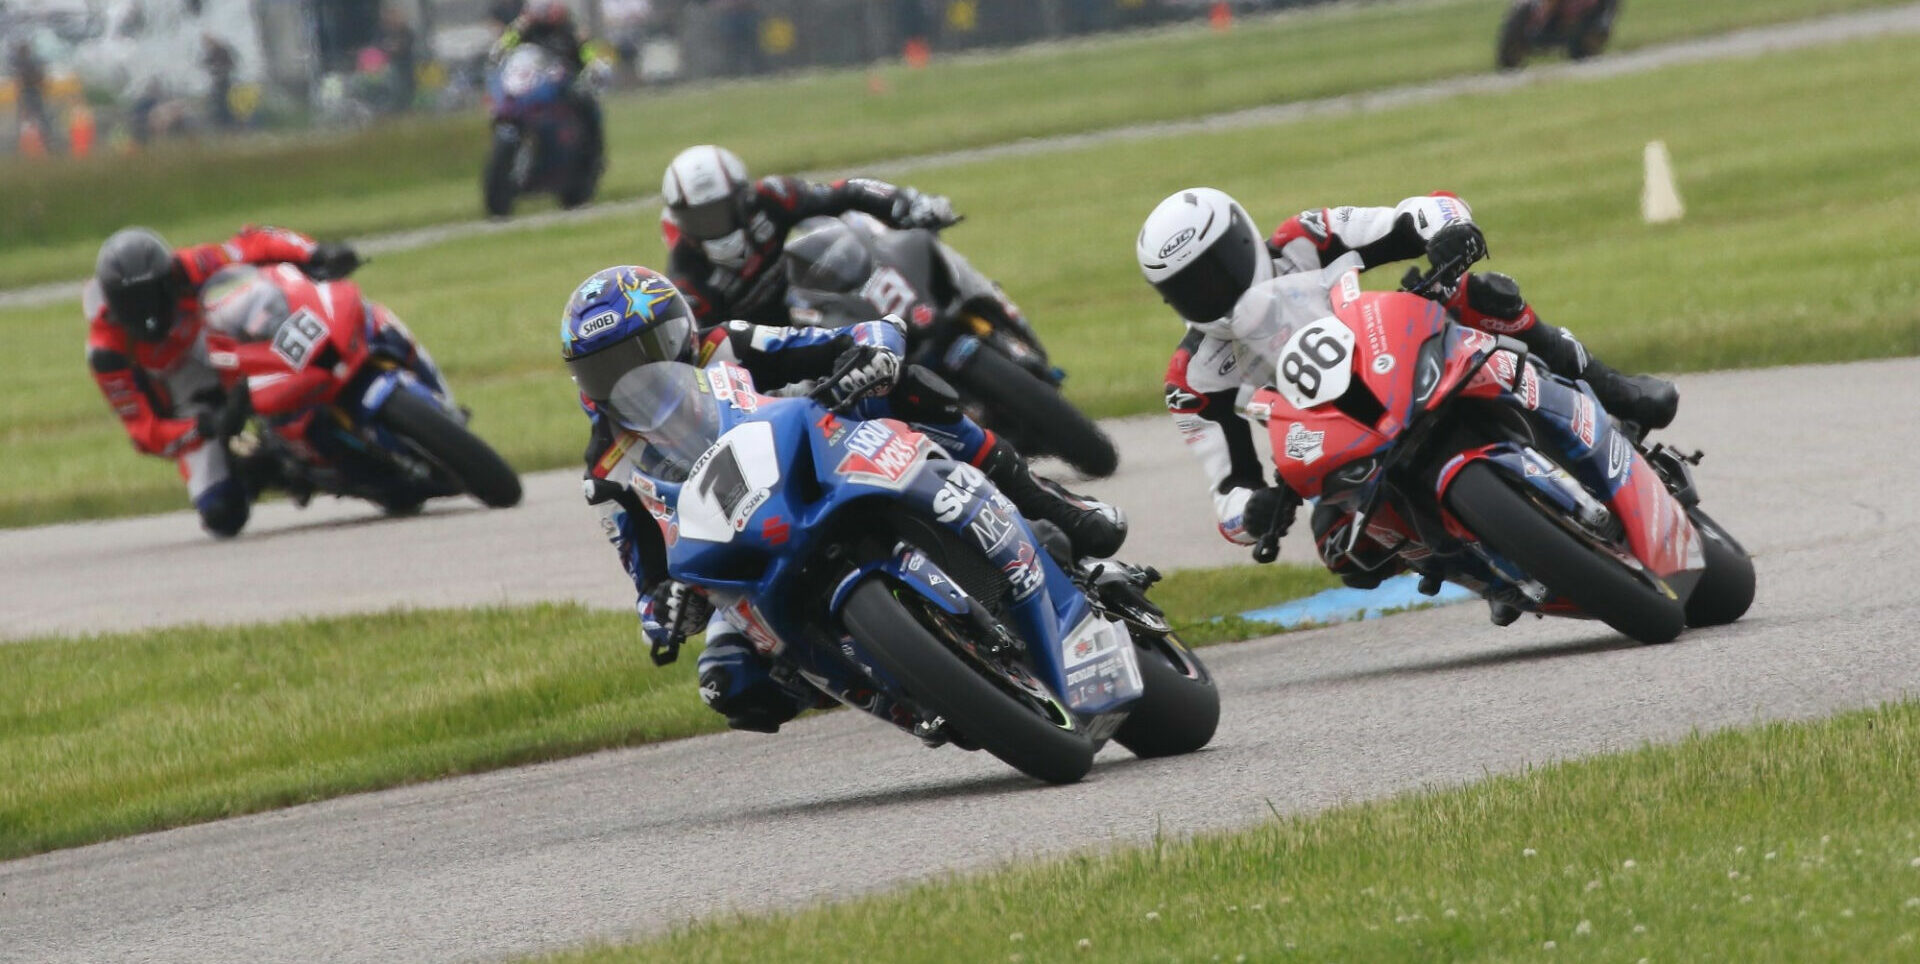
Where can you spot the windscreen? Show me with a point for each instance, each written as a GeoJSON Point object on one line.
{"type": "Point", "coordinates": [1271, 311]}
{"type": "Point", "coordinates": [830, 258]}
{"type": "Point", "coordinates": [243, 303]}
{"type": "Point", "coordinates": [671, 406]}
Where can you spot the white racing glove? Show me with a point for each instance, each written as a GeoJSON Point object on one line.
{"type": "Point", "coordinates": [862, 370]}
{"type": "Point", "coordinates": [913, 209]}
{"type": "Point", "coordinates": [669, 614]}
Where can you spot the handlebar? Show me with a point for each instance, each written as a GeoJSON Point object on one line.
{"type": "Point", "coordinates": [1438, 282]}
{"type": "Point", "coordinates": [1267, 549]}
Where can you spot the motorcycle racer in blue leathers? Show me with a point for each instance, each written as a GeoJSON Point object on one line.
{"type": "Point", "coordinates": [624, 317]}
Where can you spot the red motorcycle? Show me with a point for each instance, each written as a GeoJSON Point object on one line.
{"type": "Point", "coordinates": [1464, 459]}
{"type": "Point", "coordinates": [1583, 27]}
{"type": "Point", "coordinates": [343, 399]}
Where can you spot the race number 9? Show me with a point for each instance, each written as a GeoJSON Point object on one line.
{"type": "Point", "coordinates": [1314, 363]}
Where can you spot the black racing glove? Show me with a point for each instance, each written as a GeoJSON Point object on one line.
{"type": "Point", "coordinates": [1456, 246]}
{"type": "Point", "coordinates": [332, 260]}
{"type": "Point", "coordinates": [226, 421]}
{"type": "Point", "coordinates": [1270, 512]}
{"type": "Point", "coordinates": [670, 613]}
{"type": "Point", "coordinates": [862, 370]}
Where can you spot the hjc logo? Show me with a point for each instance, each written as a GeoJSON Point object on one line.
{"type": "Point", "coordinates": [1177, 242]}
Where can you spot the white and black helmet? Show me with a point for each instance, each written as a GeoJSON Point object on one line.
{"type": "Point", "coordinates": [1200, 250]}
{"type": "Point", "coordinates": [707, 192]}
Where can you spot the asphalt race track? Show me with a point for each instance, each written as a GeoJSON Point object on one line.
{"type": "Point", "coordinates": [1810, 466]}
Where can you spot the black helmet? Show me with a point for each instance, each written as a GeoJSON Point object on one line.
{"type": "Point", "coordinates": [140, 281]}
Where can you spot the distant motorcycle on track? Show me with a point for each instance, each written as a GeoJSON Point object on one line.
{"type": "Point", "coordinates": [539, 138]}
{"type": "Point", "coordinates": [343, 399]}
{"type": "Point", "coordinates": [841, 271]}
{"type": "Point", "coordinates": [1458, 453]}
{"type": "Point", "coordinates": [896, 580]}
{"type": "Point", "coordinates": [1583, 27]}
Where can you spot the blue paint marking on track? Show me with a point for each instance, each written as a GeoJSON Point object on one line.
{"type": "Point", "coordinates": [1345, 605]}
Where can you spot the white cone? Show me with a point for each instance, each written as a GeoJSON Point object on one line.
{"type": "Point", "coordinates": [1660, 198]}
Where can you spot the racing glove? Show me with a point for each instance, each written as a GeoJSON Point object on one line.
{"type": "Point", "coordinates": [227, 421]}
{"type": "Point", "coordinates": [669, 614]}
{"type": "Point", "coordinates": [912, 209]}
{"type": "Point", "coordinates": [862, 370]}
{"type": "Point", "coordinates": [1267, 517]}
{"type": "Point", "coordinates": [1457, 245]}
{"type": "Point", "coordinates": [332, 260]}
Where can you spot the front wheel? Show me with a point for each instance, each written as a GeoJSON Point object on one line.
{"type": "Point", "coordinates": [1602, 586]}
{"type": "Point", "coordinates": [496, 182]}
{"type": "Point", "coordinates": [1015, 397]}
{"type": "Point", "coordinates": [943, 681]}
{"type": "Point", "coordinates": [472, 463]}
{"type": "Point", "coordinates": [1725, 590]}
{"type": "Point", "coordinates": [1180, 708]}
{"type": "Point", "coordinates": [1511, 50]}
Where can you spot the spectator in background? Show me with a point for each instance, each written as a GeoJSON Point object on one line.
{"type": "Point", "coordinates": [220, 62]}
{"type": "Point", "coordinates": [30, 92]}
{"type": "Point", "coordinates": [397, 42]}
{"type": "Point", "coordinates": [740, 35]}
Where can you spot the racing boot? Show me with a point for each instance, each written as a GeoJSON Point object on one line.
{"type": "Point", "coordinates": [1645, 400]}
{"type": "Point", "coordinates": [260, 470]}
{"type": "Point", "coordinates": [1095, 528]}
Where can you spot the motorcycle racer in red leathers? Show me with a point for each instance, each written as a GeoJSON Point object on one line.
{"type": "Point", "coordinates": [1199, 249]}
{"type": "Point", "coordinates": [145, 347]}
{"type": "Point", "coordinates": [725, 231]}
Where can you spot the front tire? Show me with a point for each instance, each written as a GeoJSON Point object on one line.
{"type": "Point", "coordinates": [1180, 708]}
{"type": "Point", "coordinates": [1014, 396]}
{"type": "Point", "coordinates": [497, 189]}
{"type": "Point", "coordinates": [946, 683]}
{"type": "Point", "coordinates": [1601, 586]}
{"type": "Point", "coordinates": [1511, 50]}
{"type": "Point", "coordinates": [472, 463]}
{"type": "Point", "coordinates": [1725, 590]}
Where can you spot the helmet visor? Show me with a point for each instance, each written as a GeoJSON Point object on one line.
{"type": "Point", "coordinates": [710, 221]}
{"type": "Point", "coordinates": [144, 307]}
{"type": "Point", "coordinates": [1207, 288]}
{"type": "Point", "coordinates": [666, 341]}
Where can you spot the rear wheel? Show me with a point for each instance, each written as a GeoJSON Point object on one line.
{"type": "Point", "coordinates": [1725, 590]}
{"type": "Point", "coordinates": [1180, 708]}
{"type": "Point", "coordinates": [1014, 396]}
{"type": "Point", "coordinates": [496, 182]}
{"type": "Point", "coordinates": [1015, 729]}
{"type": "Point", "coordinates": [1602, 586]}
{"type": "Point", "coordinates": [472, 463]}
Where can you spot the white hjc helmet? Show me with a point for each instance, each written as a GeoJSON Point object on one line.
{"type": "Point", "coordinates": [708, 193]}
{"type": "Point", "coordinates": [1199, 249]}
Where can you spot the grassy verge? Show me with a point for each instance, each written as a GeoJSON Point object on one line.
{"type": "Point", "coordinates": [107, 736]}
{"type": "Point", "coordinates": [426, 170]}
{"type": "Point", "coordinates": [1807, 155]}
{"type": "Point", "coordinates": [1786, 842]}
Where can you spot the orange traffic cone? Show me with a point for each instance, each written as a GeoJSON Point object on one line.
{"type": "Point", "coordinates": [1221, 16]}
{"type": "Point", "coordinates": [80, 131]}
{"type": "Point", "coordinates": [917, 53]}
{"type": "Point", "coordinates": [31, 143]}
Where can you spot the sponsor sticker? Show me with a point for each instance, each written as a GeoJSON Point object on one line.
{"type": "Point", "coordinates": [1619, 455]}
{"type": "Point", "coordinates": [1024, 572]}
{"type": "Point", "coordinates": [1529, 388]}
{"type": "Point", "coordinates": [1583, 416]}
{"type": "Point", "coordinates": [598, 323]}
{"type": "Point", "coordinates": [953, 498]}
{"type": "Point", "coordinates": [1178, 241]}
{"type": "Point", "coordinates": [1303, 445]}
{"type": "Point", "coordinates": [1350, 287]}
{"type": "Point", "coordinates": [878, 454]}
{"type": "Point", "coordinates": [1382, 364]}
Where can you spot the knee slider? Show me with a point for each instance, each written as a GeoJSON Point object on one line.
{"type": "Point", "coordinates": [223, 509]}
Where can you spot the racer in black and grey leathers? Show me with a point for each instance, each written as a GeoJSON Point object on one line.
{"type": "Point", "coordinates": [725, 231]}
{"type": "Point", "coordinates": [1200, 250]}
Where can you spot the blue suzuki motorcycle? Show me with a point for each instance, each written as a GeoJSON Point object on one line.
{"type": "Point", "coordinates": [538, 136]}
{"type": "Point", "coordinates": [861, 559]}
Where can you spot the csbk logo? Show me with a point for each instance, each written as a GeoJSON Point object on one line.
{"type": "Point", "coordinates": [1177, 242]}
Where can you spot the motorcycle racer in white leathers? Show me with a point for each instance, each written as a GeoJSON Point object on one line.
{"type": "Point", "coordinates": [1200, 250]}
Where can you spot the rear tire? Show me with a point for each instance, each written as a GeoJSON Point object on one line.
{"type": "Point", "coordinates": [1178, 712]}
{"type": "Point", "coordinates": [1013, 395]}
{"type": "Point", "coordinates": [1601, 586]}
{"type": "Point", "coordinates": [473, 463]}
{"type": "Point", "coordinates": [1725, 590]}
{"type": "Point", "coordinates": [496, 181]}
{"type": "Point", "coordinates": [1511, 50]}
{"type": "Point", "coordinates": [946, 683]}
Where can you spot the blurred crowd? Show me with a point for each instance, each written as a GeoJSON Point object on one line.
{"type": "Point", "coordinates": [85, 75]}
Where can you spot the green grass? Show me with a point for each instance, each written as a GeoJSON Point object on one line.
{"type": "Point", "coordinates": [426, 170]}
{"type": "Point", "coordinates": [1797, 247]}
{"type": "Point", "coordinates": [107, 736]}
{"type": "Point", "coordinates": [1786, 842]}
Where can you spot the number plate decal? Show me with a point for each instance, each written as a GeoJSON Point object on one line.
{"type": "Point", "coordinates": [1316, 364]}
{"type": "Point", "coordinates": [729, 484]}
{"type": "Point", "coordinates": [298, 336]}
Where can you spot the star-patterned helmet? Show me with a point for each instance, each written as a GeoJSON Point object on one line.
{"type": "Point", "coordinates": [619, 319]}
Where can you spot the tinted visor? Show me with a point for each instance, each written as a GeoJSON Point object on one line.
{"type": "Point", "coordinates": [710, 221]}
{"type": "Point", "coordinates": [667, 341]}
{"type": "Point", "coordinates": [1207, 289]}
{"type": "Point", "coordinates": [831, 259]}
{"type": "Point", "coordinates": [144, 307]}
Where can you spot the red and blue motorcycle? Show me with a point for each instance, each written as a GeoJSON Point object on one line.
{"type": "Point", "coordinates": [539, 138]}
{"type": "Point", "coordinates": [1465, 460]}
